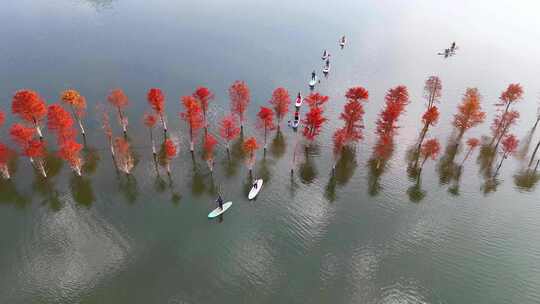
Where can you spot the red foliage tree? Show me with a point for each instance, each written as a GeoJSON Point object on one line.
{"type": "Point", "coordinates": [170, 153]}
{"type": "Point", "coordinates": [156, 99]}
{"type": "Point", "coordinates": [119, 100]}
{"type": "Point", "coordinates": [280, 101]}
{"type": "Point", "coordinates": [430, 149]}
{"type": "Point", "coordinates": [106, 126]}
{"type": "Point", "coordinates": [193, 116]}
{"type": "Point", "coordinates": [2, 118]}
{"type": "Point", "coordinates": [469, 113]}
{"type": "Point", "coordinates": [313, 123]}
{"type": "Point", "coordinates": [240, 97]}
{"type": "Point", "coordinates": [395, 101]}
{"type": "Point", "coordinates": [316, 100]}
{"type": "Point", "coordinates": [249, 147]}
{"type": "Point", "coordinates": [70, 151]}
{"type": "Point", "coordinates": [150, 121]}
{"type": "Point", "coordinates": [430, 118]}
{"type": "Point", "coordinates": [228, 129]}
{"type": "Point", "coordinates": [357, 94]}
{"type": "Point", "coordinates": [432, 90]}
{"type": "Point", "coordinates": [35, 151]}
{"type": "Point", "coordinates": [21, 135]}
{"type": "Point", "coordinates": [505, 118]}
{"type": "Point", "coordinates": [5, 156]}
{"type": "Point", "coordinates": [353, 113]}
{"type": "Point", "coordinates": [472, 143]}
{"type": "Point", "coordinates": [509, 147]}
{"type": "Point", "coordinates": [124, 158]}
{"type": "Point", "coordinates": [502, 124]}
{"type": "Point", "coordinates": [339, 138]}
{"type": "Point", "coordinates": [266, 122]}
{"type": "Point", "coordinates": [30, 107]}
{"type": "Point", "coordinates": [209, 146]}
{"type": "Point", "coordinates": [60, 123]}
{"type": "Point", "coordinates": [203, 95]}
{"type": "Point", "coordinates": [77, 104]}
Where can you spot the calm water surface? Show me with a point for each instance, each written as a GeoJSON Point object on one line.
{"type": "Point", "coordinates": [359, 237]}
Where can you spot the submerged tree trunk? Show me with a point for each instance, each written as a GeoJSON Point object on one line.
{"type": "Point", "coordinates": [163, 124]}
{"type": "Point", "coordinates": [534, 153]}
{"type": "Point", "coordinates": [499, 166]}
{"type": "Point", "coordinates": [500, 125]}
{"type": "Point", "coordinates": [420, 141]}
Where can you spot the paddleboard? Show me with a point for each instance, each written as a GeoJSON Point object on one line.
{"type": "Point", "coordinates": [312, 82]}
{"type": "Point", "coordinates": [253, 192]}
{"type": "Point", "coordinates": [218, 211]}
{"type": "Point", "coordinates": [299, 101]}
{"type": "Point", "coordinates": [326, 70]}
{"type": "Point", "coordinates": [325, 55]}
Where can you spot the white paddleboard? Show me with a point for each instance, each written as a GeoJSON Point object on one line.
{"type": "Point", "coordinates": [253, 192]}
{"type": "Point", "coordinates": [326, 70]}
{"type": "Point", "coordinates": [218, 211]}
{"type": "Point", "coordinates": [294, 124]}
{"type": "Point", "coordinates": [313, 82]}
{"type": "Point", "coordinates": [299, 101]}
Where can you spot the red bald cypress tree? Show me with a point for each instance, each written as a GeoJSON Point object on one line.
{"type": "Point", "coordinates": [150, 121]}
{"type": "Point", "coordinates": [30, 107]}
{"type": "Point", "coordinates": [509, 147]}
{"type": "Point", "coordinates": [280, 101]}
{"type": "Point", "coordinates": [203, 95]}
{"type": "Point", "coordinates": [156, 99]}
{"type": "Point", "coordinates": [469, 113]}
{"type": "Point", "coordinates": [124, 158]}
{"type": "Point", "coordinates": [208, 147]}
{"type": "Point", "coordinates": [170, 152]}
{"type": "Point", "coordinates": [228, 129]}
{"type": "Point", "coordinates": [70, 152]}
{"type": "Point", "coordinates": [240, 97]}
{"type": "Point", "coordinates": [118, 99]}
{"type": "Point", "coordinates": [249, 147]}
{"type": "Point", "coordinates": [77, 103]}
{"type": "Point", "coordinates": [266, 122]}
{"type": "Point", "coordinates": [192, 115]}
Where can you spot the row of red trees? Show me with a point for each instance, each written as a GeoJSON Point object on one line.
{"type": "Point", "coordinates": [32, 110]}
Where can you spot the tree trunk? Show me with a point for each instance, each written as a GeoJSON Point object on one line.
{"type": "Point", "coordinates": [500, 125]}
{"type": "Point", "coordinates": [191, 144]}
{"type": "Point", "coordinates": [499, 166]}
{"type": "Point", "coordinates": [265, 131]}
{"type": "Point", "coordinates": [122, 122]}
{"type": "Point", "coordinates": [5, 171]}
{"type": "Point", "coordinates": [164, 124]}
{"type": "Point", "coordinates": [152, 141]}
{"type": "Point", "coordinates": [38, 129]}
{"type": "Point", "coordinates": [420, 141]}
{"type": "Point", "coordinates": [466, 157]}
{"type": "Point", "coordinates": [534, 153]}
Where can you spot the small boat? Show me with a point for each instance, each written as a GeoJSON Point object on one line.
{"type": "Point", "coordinates": [255, 189]}
{"type": "Point", "coordinates": [325, 55]}
{"type": "Point", "coordinates": [342, 41]}
{"type": "Point", "coordinates": [216, 212]}
{"type": "Point", "coordinates": [299, 100]}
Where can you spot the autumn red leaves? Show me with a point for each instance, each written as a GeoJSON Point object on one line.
{"type": "Point", "coordinates": [62, 119]}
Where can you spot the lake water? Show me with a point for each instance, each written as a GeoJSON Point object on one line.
{"type": "Point", "coordinates": [358, 237]}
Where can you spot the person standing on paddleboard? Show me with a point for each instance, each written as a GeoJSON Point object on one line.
{"type": "Point", "coordinates": [220, 202]}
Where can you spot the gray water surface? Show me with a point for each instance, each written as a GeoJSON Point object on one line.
{"type": "Point", "coordinates": [358, 237]}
